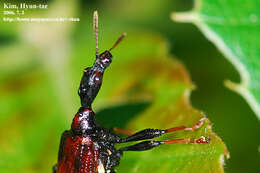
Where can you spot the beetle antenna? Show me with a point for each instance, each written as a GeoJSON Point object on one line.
{"type": "Point", "coordinates": [95, 25]}
{"type": "Point", "coordinates": [118, 41]}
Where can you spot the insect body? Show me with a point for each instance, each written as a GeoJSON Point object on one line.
{"type": "Point", "coordinates": [88, 147]}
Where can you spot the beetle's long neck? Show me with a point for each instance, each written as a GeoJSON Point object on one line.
{"type": "Point", "coordinates": [89, 86]}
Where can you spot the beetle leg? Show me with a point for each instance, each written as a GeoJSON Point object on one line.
{"type": "Point", "coordinates": [197, 125]}
{"type": "Point", "coordinates": [143, 134]}
{"type": "Point", "coordinates": [147, 145]}
{"type": "Point", "coordinates": [201, 140]}
{"type": "Point", "coordinates": [152, 133]}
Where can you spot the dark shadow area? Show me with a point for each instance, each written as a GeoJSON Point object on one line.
{"type": "Point", "coordinates": [119, 116]}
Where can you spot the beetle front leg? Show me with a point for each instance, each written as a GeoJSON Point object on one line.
{"type": "Point", "coordinates": [147, 145]}
{"type": "Point", "coordinates": [153, 133]}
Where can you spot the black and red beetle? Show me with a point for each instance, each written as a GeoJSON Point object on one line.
{"type": "Point", "coordinates": [88, 147]}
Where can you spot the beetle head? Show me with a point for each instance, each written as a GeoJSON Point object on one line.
{"type": "Point", "coordinates": [103, 60]}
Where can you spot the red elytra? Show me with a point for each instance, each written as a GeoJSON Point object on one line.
{"type": "Point", "coordinates": [83, 155]}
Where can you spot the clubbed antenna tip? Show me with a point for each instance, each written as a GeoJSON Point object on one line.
{"type": "Point", "coordinates": [118, 41]}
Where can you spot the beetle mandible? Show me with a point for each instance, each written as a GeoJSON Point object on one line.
{"type": "Point", "coordinates": [88, 147]}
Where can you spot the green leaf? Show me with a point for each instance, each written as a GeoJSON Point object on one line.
{"type": "Point", "coordinates": [40, 99]}
{"type": "Point", "coordinates": [233, 26]}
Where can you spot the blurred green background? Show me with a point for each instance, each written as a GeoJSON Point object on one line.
{"type": "Point", "coordinates": [38, 80]}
